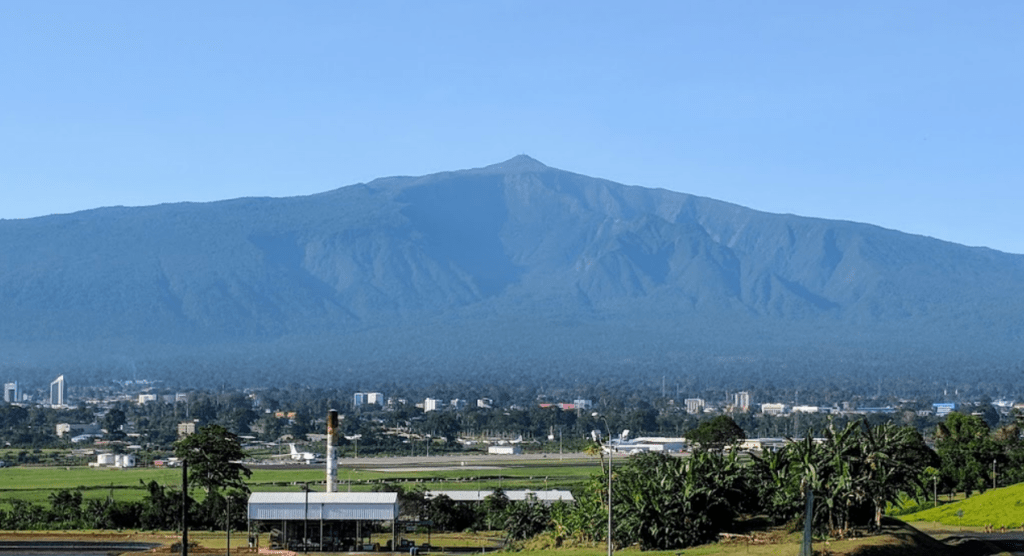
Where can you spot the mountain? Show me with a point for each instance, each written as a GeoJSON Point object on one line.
{"type": "Point", "coordinates": [508, 269]}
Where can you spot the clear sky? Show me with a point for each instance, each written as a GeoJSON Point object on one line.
{"type": "Point", "coordinates": [908, 115]}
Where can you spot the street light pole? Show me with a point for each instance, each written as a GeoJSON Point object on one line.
{"type": "Point", "coordinates": [611, 451]}
{"type": "Point", "coordinates": [560, 443]}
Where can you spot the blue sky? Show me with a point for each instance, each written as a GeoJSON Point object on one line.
{"type": "Point", "coordinates": [908, 115]}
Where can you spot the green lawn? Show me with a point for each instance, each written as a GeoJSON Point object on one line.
{"type": "Point", "coordinates": [1002, 506]}
{"type": "Point", "coordinates": [35, 484]}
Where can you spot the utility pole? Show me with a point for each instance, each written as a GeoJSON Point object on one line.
{"type": "Point", "coordinates": [228, 521]}
{"type": "Point", "coordinates": [805, 546]}
{"type": "Point", "coordinates": [305, 520]}
{"type": "Point", "coordinates": [184, 507]}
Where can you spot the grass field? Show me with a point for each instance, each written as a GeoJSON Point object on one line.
{"type": "Point", "coordinates": [1005, 506]}
{"type": "Point", "coordinates": [34, 484]}
{"type": "Point", "coordinates": [1002, 506]}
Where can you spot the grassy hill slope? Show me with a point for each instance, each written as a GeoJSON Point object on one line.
{"type": "Point", "coordinates": [1003, 506]}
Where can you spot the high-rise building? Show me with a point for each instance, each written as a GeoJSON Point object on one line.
{"type": "Point", "coordinates": [11, 393]}
{"type": "Point", "coordinates": [365, 398]}
{"type": "Point", "coordinates": [58, 392]}
{"type": "Point", "coordinates": [741, 401]}
{"type": "Point", "coordinates": [432, 404]}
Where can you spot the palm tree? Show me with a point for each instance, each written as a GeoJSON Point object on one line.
{"type": "Point", "coordinates": [885, 471]}
{"type": "Point", "coordinates": [595, 449]}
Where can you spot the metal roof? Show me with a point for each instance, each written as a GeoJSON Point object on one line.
{"type": "Point", "coordinates": [330, 506]}
{"type": "Point", "coordinates": [546, 496]}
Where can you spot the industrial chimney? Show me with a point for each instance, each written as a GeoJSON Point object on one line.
{"type": "Point", "coordinates": [332, 457]}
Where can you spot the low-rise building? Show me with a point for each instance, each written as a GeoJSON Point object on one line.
{"type": "Point", "coordinates": [773, 408]}
{"type": "Point", "coordinates": [694, 405]}
{"type": "Point", "coordinates": [505, 450]}
{"type": "Point", "coordinates": [649, 444]}
{"type": "Point", "coordinates": [473, 496]}
{"type": "Point", "coordinates": [582, 404]}
{"type": "Point", "coordinates": [186, 428]}
{"type": "Point", "coordinates": [75, 429]}
{"type": "Point", "coordinates": [121, 461]}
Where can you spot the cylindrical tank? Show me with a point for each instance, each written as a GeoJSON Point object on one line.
{"type": "Point", "coordinates": [332, 457]}
{"type": "Point", "coordinates": [105, 459]}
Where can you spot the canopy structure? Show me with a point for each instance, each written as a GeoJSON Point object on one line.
{"type": "Point", "coordinates": [322, 520]}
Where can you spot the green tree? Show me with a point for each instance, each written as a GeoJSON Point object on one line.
{"type": "Point", "coordinates": [855, 471]}
{"type": "Point", "coordinates": [493, 509]}
{"type": "Point", "coordinates": [160, 509]}
{"type": "Point", "coordinates": [966, 451]}
{"type": "Point", "coordinates": [66, 507]}
{"type": "Point", "coordinates": [659, 501]}
{"type": "Point", "coordinates": [526, 518]}
{"type": "Point", "coordinates": [114, 420]}
{"type": "Point", "coordinates": [888, 467]}
{"type": "Point", "coordinates": [214, 458]}
{"type": "Point", "coordinates": [716, 434]}
{"type": "Point", "coordinates": [594, 449]}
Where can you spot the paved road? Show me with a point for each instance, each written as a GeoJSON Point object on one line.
{"type": "Point", "coordinates": [988, 543]}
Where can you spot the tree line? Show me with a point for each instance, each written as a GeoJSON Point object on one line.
{"type": "Point", "coordinates": [855, 469]}
{"type": "Point", "coordinates": [662, 502]}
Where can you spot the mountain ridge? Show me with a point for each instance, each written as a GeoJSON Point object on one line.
{"type": "Point", "coordinates": [518, 247]}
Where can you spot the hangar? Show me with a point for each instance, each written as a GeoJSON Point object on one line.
{"type": "Point", "coordinates": [322, 521]}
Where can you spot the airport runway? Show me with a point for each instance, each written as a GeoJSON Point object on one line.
{"type": "Point", "coordinates": [442, 462]}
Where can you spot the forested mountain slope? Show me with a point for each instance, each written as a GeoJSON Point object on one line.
{"type": "Point", "coordinates": [516, 266]}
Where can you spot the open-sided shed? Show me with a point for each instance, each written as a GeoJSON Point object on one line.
{"type": "Point", "coordinates": [331, 521]}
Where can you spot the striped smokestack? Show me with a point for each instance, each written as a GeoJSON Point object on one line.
{"type": "Point", "coordinates": [332, 457]}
